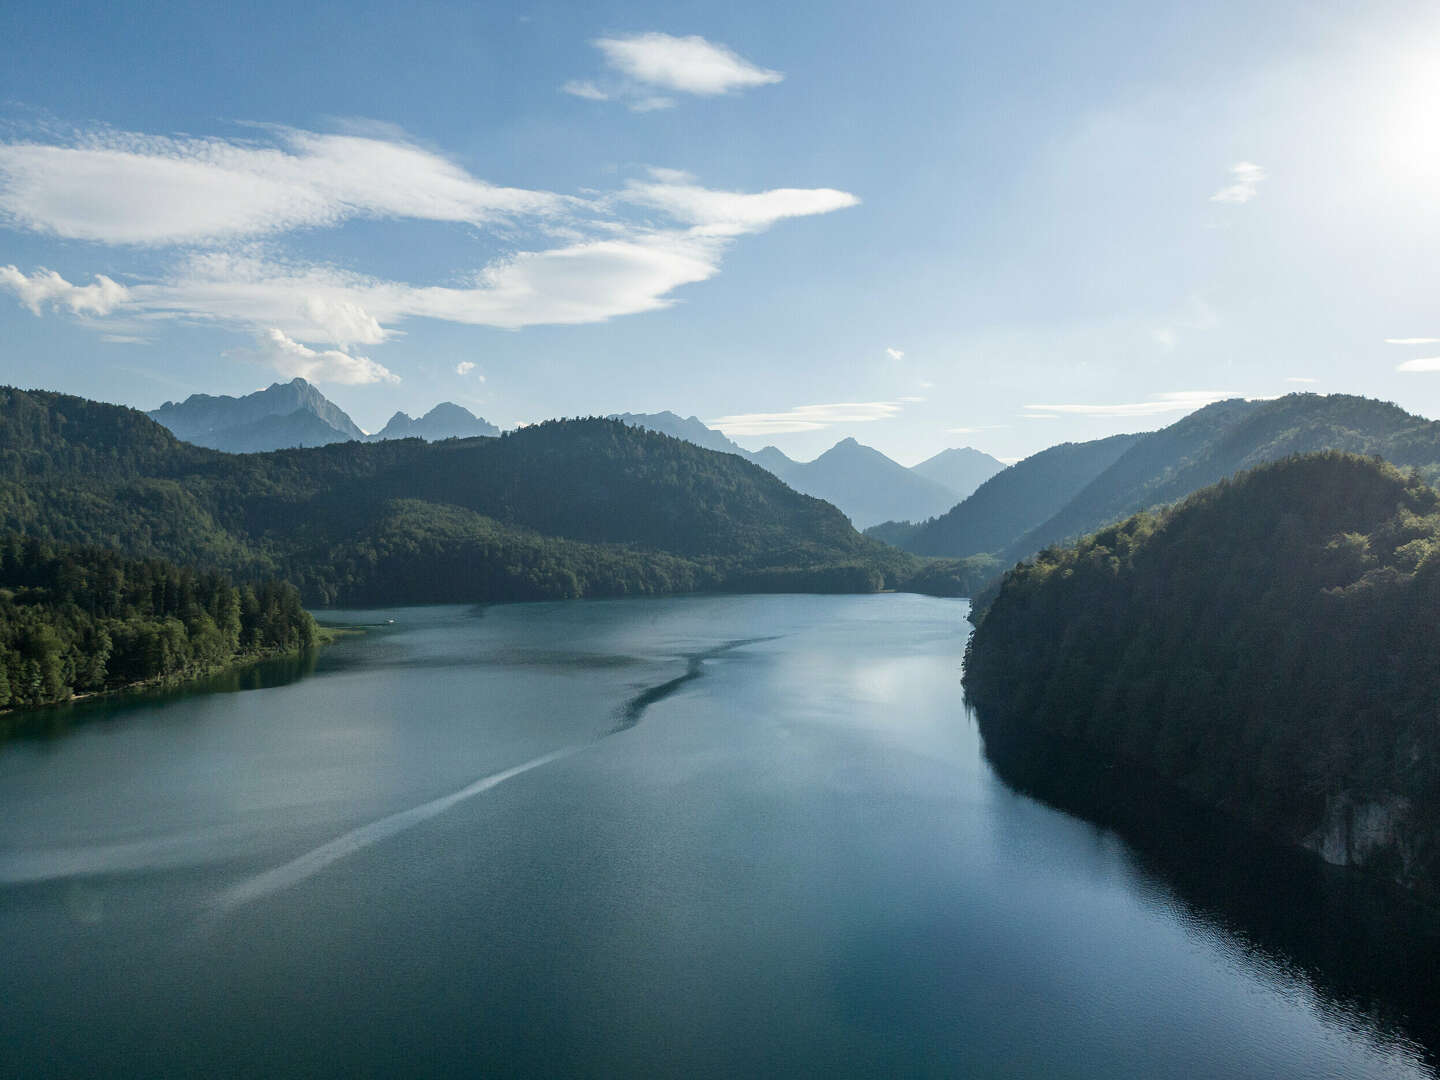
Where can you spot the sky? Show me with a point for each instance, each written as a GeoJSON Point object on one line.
{"type": "Point", "coordinates": [919, 224]}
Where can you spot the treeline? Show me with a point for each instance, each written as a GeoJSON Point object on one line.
{"type": "Point", "coordinates": [85, 620]}
{"type": "Point", "coordinates": [1270, 646]}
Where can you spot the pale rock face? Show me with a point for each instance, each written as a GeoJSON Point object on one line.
{"type": "Point", "coordinates": [1354, 831]}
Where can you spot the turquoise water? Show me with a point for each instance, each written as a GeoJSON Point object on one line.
{"type": "Point", "coordinates": [717, 836]}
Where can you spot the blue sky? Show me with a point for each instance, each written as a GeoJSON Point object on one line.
{"type": "Point", "coordinates": [923, 224]}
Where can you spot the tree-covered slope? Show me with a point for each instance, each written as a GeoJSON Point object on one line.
{"type": "Point", "coordinates": [1220, 440]}
{"type": "Point", "coordinates": [84, 620]}
{"type": "Point", "coordinates": [1017, 499]}
{"type": "Point", "coordinates": [1270, 646]}
{"type": "Point", "coordinates": [492, 513]}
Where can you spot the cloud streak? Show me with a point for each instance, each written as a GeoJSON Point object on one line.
{"type": "Point", "coordinates": [1176, 401]}
{"type": "Point", "coordinates": [683, 65]}
{"type": "Point", "coordinates": [1424, 363]}
{"type": "Point", "coordinates": [126, 188]}
{"type": "Point", "coordinates": [806, 418]}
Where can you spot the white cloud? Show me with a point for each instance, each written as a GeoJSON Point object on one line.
{"type": "Point", "coordinates": [124, 188]}
{"type": "Point", "coordinates": [588, 282]}
{"type": "Point", "coordinates": [1412, 341]}
{"type": "Point", "coordinates": [344, 322]}
{"type": "Point", "coordinates": [132, 189]}
{"type": "Point", "coordinates": [47, 288]}
{"type": "Point", "coordinates": [1177, 401]}
{"type": "Point", "coordinates": [895, 354]}
{"type": "Point", "coordinates": [584, 89]}
{"type": "Point", "coordinates": [911, 400]}
{"type": "Point", "coordinates": [465, 367]}
{"type": "Point", "coordinates": [686, 65]}
{"type": "Point", "coordinates": [1301, 379]}
{"type": "Point", "coordinates": [730, 213]}
{"type": "Point", "coordinates": [291, 358]}
{"type": "Point", "coordinates": [805, 418]}
{"type": "Point", "coordinates": [1427, 363]}
{"type": "Point", "coordinates": [1245, 177]}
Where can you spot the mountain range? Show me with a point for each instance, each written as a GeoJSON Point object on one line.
{"type": "Point", "coordinates": [558, 509]}
{"type": "Point", "coordinates": [297, 414]}
{"type": "Point", "coordinates": [868, 486]}
{"type": "Point", "coordinates": [1073, 489]}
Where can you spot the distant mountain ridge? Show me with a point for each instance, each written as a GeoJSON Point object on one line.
{"type": "Point", "coordinates": [1073, 489]}
{"type": "Point", "coordinates": [962, 469]}
{"type": "Point", "coordinates": [555, 510]}
{"type": "Point", "coordinates": [1014, 501]}
{"type": "Point", "coordinates": [863, 482]}
{"type": "Point", "coordinates": [1224, 438]}
{"type": "Point", "coordinates": [296, 414]}
{"type": "Point", "coordinates": [445, 421]}
{"type": "Point", "coordinates": [209, 420]}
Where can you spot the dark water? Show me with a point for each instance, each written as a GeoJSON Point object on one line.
{"type": "Point", "coordinates": [732, 836]}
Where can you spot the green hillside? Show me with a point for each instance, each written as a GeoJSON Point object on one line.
{"type": "Point", "coordinates": [1222, 439]}
{"type": "Point", "coordinates": [84, 620]}
{"type": "Point", "coordinates": [560, 509]}
{"type": "Point", "coordinates": [1269, 646]}
{"type": "Point", "coordinates": [1012, 501]}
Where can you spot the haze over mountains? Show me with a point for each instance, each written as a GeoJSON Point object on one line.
{"type": "Point", "coordinates": [868, 486]}
{"type": "Point", "coordinates": [297, 414]}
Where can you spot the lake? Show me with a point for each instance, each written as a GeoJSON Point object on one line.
{"type": "Point", "coordinates": [695, 836]}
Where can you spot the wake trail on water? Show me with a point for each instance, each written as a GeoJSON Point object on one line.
{"type": "Point", "coordinates": [312, 862]}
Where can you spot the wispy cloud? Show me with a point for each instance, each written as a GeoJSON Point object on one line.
{"type": "Point", "coordinates": [1412, 341]}
{"type": "Point", "coordinates": [1245, 177]}
{"type": "Point", "coordinates": [1301, 379]}
{"type": "Point", "coordinates": [620, 253]}
{"type": "Point", "coordinates": [465, 367]}
{"type": "Point", "coordinates": [728, 213]}
{"type": "Point", "coordinates": [895, 354]}
{"type": "Point", "coordinates": [1426, 363]}
{"type": "Point", "coordinates": [1176, 401]}
{"type": "Point", "coordinates": [684, 65]}
{"type": "Point", "coordinates": [293, 359]}
{"type": "Point", "coordinates": [805, 418]}
{"type": "Point", "coordinates": [126, 188]}
{"type": "Point", "coordinates": [46, 288]}
{"type": "Point", "coordinates": [583, 88]}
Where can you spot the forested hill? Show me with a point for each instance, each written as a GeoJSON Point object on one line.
{"type": "Point", "coordinates": [83, 620]}
{"type": "Point", "coordinates": [1269, 646]}
{"type": "Point", "coordinates": [1220, 440]}
{"type": "Point", "coordinates": [1016, 500]}
{"type": "Point", "coordinates": [565, 508]}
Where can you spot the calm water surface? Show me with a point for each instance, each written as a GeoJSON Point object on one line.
{"type": "Point", "coordinates": [728, 836]}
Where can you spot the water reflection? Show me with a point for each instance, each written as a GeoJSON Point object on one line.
{"type": "Point", "coordinates": [1370, 954]}
{"type": "Point", "coordinates": [55, 721]}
